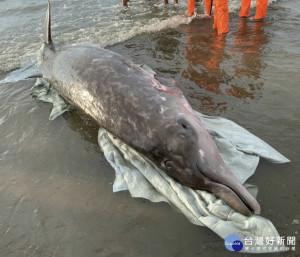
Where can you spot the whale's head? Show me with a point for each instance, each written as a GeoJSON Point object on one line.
{"type": "Point", "coordinates": [193, 159]}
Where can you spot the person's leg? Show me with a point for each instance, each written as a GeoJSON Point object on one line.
{"type": "Point", "coordinates": [261, 9]}
{"type": "Point", "coordinates": [191, 7]}
{"type": "Point", "coordinates": [245, 6]}
{"type": "Point", "coordinates": [222, 13]}
{"type": "Point", "coordinates": [215, 14]}
{"type": "Point", "coordinates": [124, 2]}
{"type": "Point", "coordinates": [208, 5]}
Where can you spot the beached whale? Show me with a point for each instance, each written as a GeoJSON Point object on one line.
{"type": "Point", "coordinates": [148, 112]}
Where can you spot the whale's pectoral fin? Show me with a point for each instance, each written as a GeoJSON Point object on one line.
{"type": "Point", "coordinates": [166, 81]}
{"type": "Point", "coordinates": [29, 71]}
{"type": "Point", "coordinates": [36, 75]}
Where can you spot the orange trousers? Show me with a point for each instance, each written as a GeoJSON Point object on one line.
{"type": "Point", "coordinates": [191, 6]}
{"type": "Point", "coordinates": [261, 9]}
{"type": "Point", "coordinates": [208, 5]}
{"type": "Point", "coordinates": [221, 17]}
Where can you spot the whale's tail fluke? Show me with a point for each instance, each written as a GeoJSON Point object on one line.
{"type": "Point", "coordinates": [48, 39]}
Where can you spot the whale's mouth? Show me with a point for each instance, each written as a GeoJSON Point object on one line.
{"type": "Point", "coordinates": [244, 202]}
{"type": "Point", "coordinates": [232, 192]}
{"type": "Point", "coordinates": [222, 184]}
{"type": "Point", "coordinates": [234, 199]}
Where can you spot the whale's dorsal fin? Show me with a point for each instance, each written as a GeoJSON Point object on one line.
{"type": "Point", "coordinates": [166, 81]}
{"type": "Point", "coordinates": [48, 39]}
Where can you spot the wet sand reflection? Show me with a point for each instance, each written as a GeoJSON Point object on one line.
{"type": "Point", "coordinates": [225, 65]}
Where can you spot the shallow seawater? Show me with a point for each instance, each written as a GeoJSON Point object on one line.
{"type": "Point", "coordinates": [56, 186]}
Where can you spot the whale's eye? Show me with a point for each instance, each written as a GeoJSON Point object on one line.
{"type": "Point", "coordinates": [184, 126]}
{"type": "Point", "coordinates": [182, 122]}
